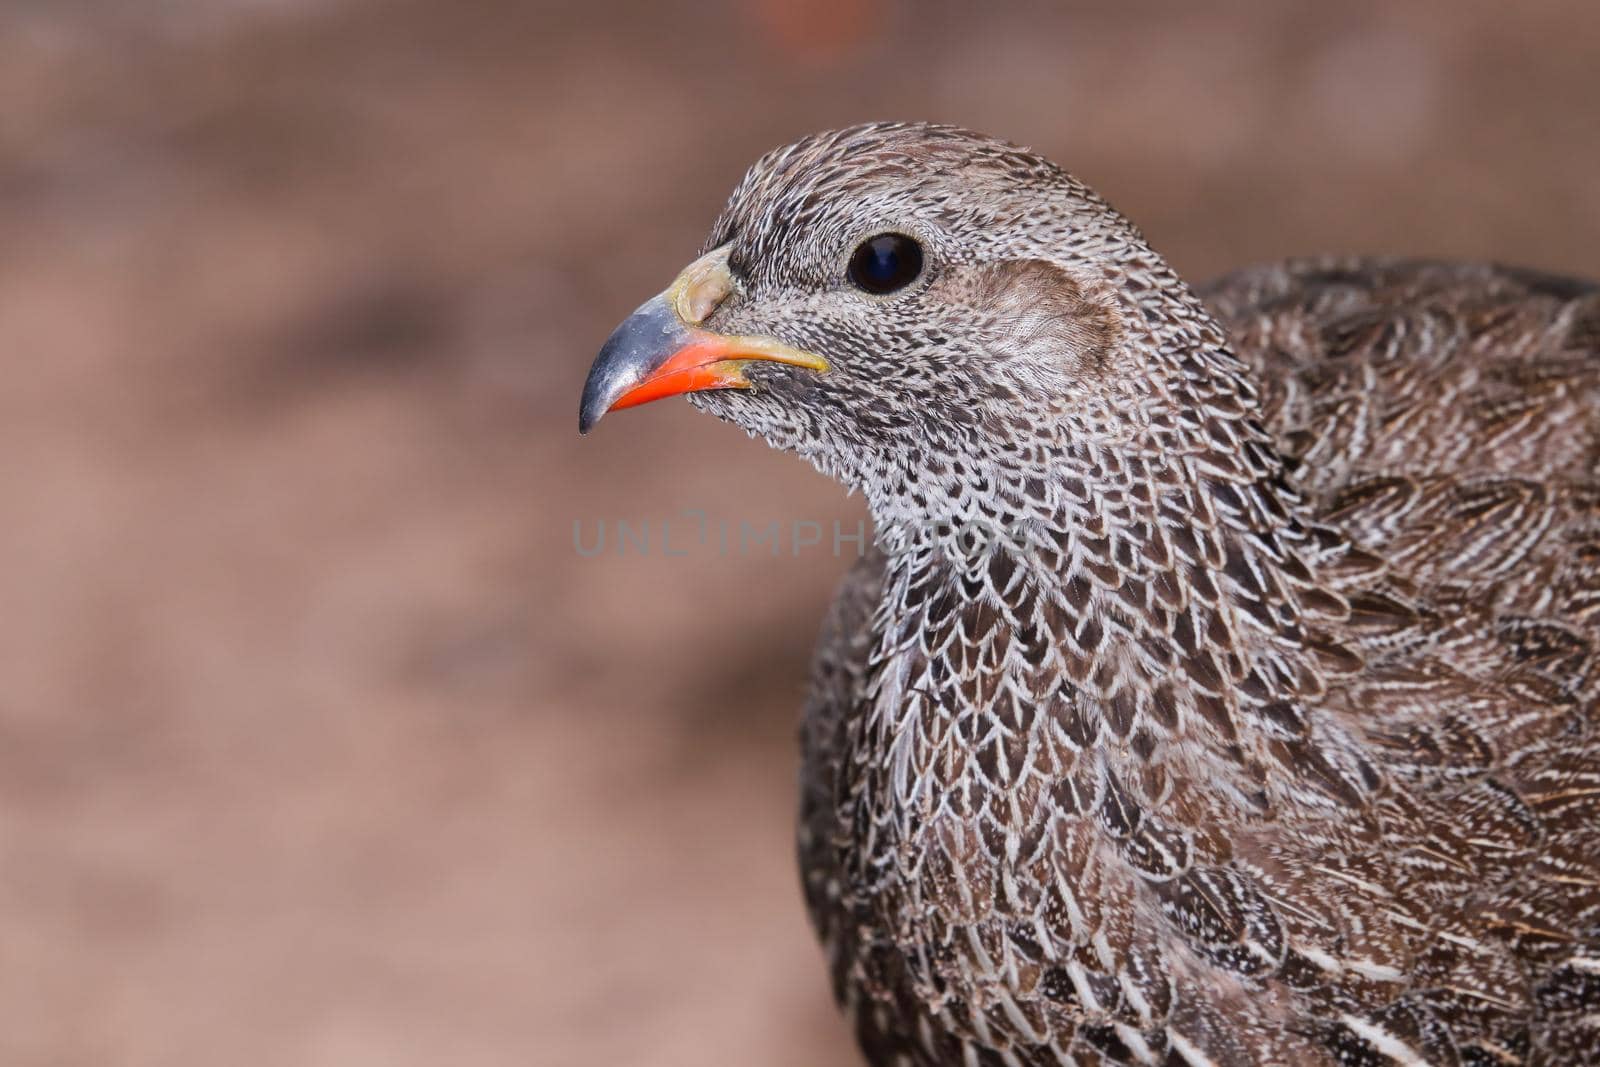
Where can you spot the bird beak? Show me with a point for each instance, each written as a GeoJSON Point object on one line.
{"type": "Point", "coordinates": [660, 350]}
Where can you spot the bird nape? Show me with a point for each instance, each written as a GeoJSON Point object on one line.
{"type": "Point", "coordinates": [1220, 689]}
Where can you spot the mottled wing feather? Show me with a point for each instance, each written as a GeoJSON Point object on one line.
{"type": "Point", "coordinates": [1446, 419]}
{"type": "Point", "coordinates": [1371, 367]}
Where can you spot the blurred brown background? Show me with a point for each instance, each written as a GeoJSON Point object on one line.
{"type": "Point", "coordinates": [319, 742]}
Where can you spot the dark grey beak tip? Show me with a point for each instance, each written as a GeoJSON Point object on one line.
{"type": "Point", "coordinates": [589, 409]}
{"type": "Point", "coordinates": [638, 346]}
{"type": "Point", "coordinates": [586, 420]}
{"type": "Point", "coordinates": [599, 390]}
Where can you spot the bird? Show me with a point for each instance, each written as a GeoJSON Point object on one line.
{"type": "Point", "coordinates": [1219, 688]}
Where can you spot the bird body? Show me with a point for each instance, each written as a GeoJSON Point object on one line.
{"type": "Point", "coordinates": [1221, 689]}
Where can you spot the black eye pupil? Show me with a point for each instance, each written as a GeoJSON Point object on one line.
{"type": "Point", "coordinates": [885, 263]}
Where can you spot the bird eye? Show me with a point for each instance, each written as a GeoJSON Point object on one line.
{"type": "Point", "coordinates": [885, 263]}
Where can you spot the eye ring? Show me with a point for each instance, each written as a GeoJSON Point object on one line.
{"type": "Point", "coordinates": [885, 263]}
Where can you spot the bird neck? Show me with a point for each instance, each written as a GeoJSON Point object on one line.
{"type": "Point", "coordinates": [1137, 573]}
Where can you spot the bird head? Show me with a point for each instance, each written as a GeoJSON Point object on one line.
{"type": "Point", "coordinates": [894, 299]}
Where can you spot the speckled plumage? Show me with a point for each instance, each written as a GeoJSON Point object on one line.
{"type": "Point", "coordinates": [1223, 689]}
